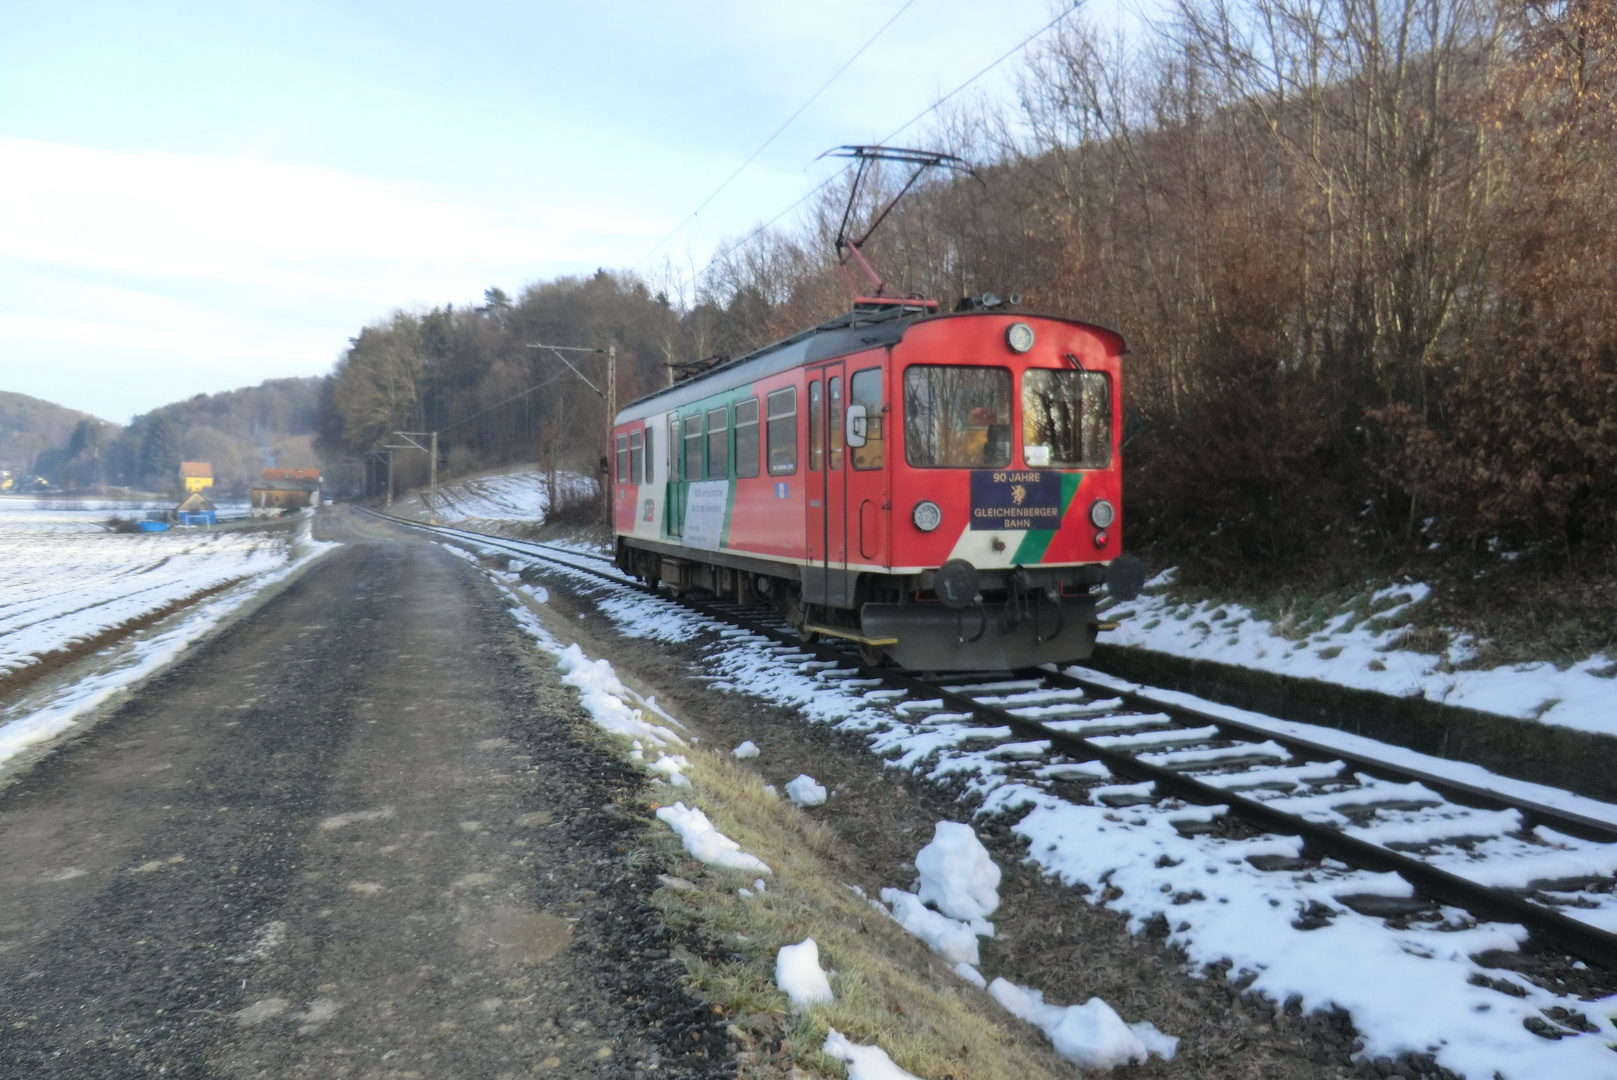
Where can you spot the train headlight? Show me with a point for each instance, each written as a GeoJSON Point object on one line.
{"type": "Point", "coordinates": [926, 515]}
{"type": "Point", "coordinates": [1019, 336]}
{"type": "Point", "coordinates": [1102, 514]}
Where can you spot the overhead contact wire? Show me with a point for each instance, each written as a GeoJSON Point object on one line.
{"type": "Point", "coordinates": [934, 107]}
{"type": "Point", "coordinates": [765, 145]}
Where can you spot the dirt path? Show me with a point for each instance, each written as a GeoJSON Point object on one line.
{"type": "Point", "coordinates": [361, 834]}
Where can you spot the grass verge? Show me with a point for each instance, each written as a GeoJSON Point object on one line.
{"type": "Point", "coordinates": [890, 989]}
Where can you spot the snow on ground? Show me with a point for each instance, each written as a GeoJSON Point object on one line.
{"type": "Point", "coordinates": [1091, 1035]}
{"type": "Point", "coordinates": [1351, 652]}
{"type": "Point", "coordinates": [805, 791]}
{"type": "Point", "coordinates": [58, 590]}
{"type": "Point", "coordinates": [61, 587]}
{"type": "Point", "coordinates": [864, 1062]}
{"type": "Point", "coordinates": [1416, 990]}
{"type": "Point", "coordinates": [54, 515]}
{"type": "Point", "coordinates": [960, 877]}
{"type": "Point", "coordinates": [621, 711]}
{"type": "Point", "coordinates": [511, 496]}
{"type": "Point", "coordinates": [799, 976]}
{"type": "Point", "coordinates": [957, 873]}
{"type": "Point", "coordinates": [705, 843]}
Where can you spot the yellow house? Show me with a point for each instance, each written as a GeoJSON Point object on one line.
{"type": "Point", "coordinates": [196, 475]}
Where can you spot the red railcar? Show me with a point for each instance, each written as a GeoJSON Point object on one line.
{"type": "Point", "coordinates": [943, 490]}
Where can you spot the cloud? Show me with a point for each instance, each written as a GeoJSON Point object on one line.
{"type": "Point", "coordinates": [244, 220]}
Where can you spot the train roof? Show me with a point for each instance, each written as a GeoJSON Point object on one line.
{"type": "Point", "coordinates": [862, 328]}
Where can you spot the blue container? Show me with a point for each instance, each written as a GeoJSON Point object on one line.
{"type": "Point", "coordinates": [152, 526]}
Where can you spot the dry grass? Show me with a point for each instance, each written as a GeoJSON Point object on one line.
{"type": "Point", "coordinates": [890, 989]}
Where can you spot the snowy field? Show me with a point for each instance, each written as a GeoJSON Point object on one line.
{"type": "Point", "coordinates": [1415, 990]}
{"type": "Point", "coordinates": [60, 586]}
{"type": "Point", "coordinates": [30, 515]}
{"type": "Point", "coordinates": [1356, 652]}
{"type": "Point", "coordinates": [514, 496]}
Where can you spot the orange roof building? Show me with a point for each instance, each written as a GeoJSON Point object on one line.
{"type": "Point", "coordinates": [297, 475]}
{"type": "Point", "coordinates": [196, 475]}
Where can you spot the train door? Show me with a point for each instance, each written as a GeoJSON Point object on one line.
{"type": "Point", "coordinates": [677, 481]}
{"type": "Point", "coordinates": [865, 422]}
{"type": "Point", "coordinates": [826, 576]}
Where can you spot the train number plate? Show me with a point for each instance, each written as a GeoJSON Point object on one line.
{"type": "Point", "coordinates": [1015, 499]}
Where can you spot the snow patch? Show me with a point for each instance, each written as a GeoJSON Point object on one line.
{"type": "Point", "coordinates": [951, 939]}
{"type": "Point", "coordinates": [805, 791]}
{"type": "Point", "coordinates": [798, 974]}
{"type": "Point", "coordinates": [958, 874]}
{"type": "Point", "coordinates": [864, 1062]}
{"type": "Point", "coordinates": [1091, 1035]}
{"type": "Point", "coordinates": [704, 842]}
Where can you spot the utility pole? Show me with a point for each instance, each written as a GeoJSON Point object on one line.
{"type": "Point", "coordinates": [609, 396]}
{"type": "Point", "coordinates": [410, 443]}
{"type": "Point", "coordinates": [390, 478]}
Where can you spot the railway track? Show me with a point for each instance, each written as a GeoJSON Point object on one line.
{"type": "Point", "coordinates": [1498, 857]}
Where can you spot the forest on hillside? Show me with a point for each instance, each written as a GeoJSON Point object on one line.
{"type": "Point", "coordinates": [238, 432]}
{"type": "Point", "coordinates": [1362, 254]}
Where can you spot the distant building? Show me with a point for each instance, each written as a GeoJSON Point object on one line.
{"type": "Point", "coordinates": [298, 475]}
{"type": "Point", "coordinates": [195, 510]}
{"type": "Point", "coordinates": [286, 489]}
{"type": "Point", "coordinates": [196, 475]}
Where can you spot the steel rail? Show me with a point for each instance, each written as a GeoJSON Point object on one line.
{"type": "Point", "coordinates": [1588, 943]}
{"type": "Point", "coordinates": [1534, 813]}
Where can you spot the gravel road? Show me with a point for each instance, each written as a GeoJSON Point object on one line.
{"type": "Point", "coordinates": [364, 833]}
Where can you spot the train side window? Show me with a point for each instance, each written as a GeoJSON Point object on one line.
{"type": "Point", "coordinates": [623, 459]}
{"type": "Point", "coordinates": [1066, 419]}
{"type": "Point", "coordinates": [833, 422]}
{"type": "Point", "coordinates": [957, 416]}
{"type": "Point", "coordinates": [865, 389]}
{"type": "Point", "coordinates": [718, 443]}
{"type": "Point", "coordinates": [816, 427]}
{"type": "Point", "coordinates": [782, 405]}
{"type": "Point", "coordinates": [637, 456]}
{"type": "Point", "coordinates": [673, 449]}
{"type": "Point", "coordinates": [747, 437]}
{"type": "Point", "coordinates": [693, 447]}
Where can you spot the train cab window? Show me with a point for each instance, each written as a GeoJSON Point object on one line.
{"type": "Point", "coordinates": [782, 405]}
{"type": "Point", "coordinates": [833, 422]}
{"type": "Point", "coordinates": [1066, 419]}
{"type": "Point", "coordinates": [747, 437]}
{"type": "Point", "coordinates": [865, 390]}
{"type": "Point", "coordinates": [718, 444]}
{"type": "Point", "coordinates": [637, 456]}
{"type": "Point", "coordinates": [693, 447]}
{"type": "Point", "coordinates": [816, 427]}
{"type": "Point", "coordinates": [623, 459]}
{"type": "Point", "coordinates": [957, 416]}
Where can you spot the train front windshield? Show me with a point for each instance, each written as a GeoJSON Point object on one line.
{"type": "Point", "coordinates": [1066, 419]}
{"type": "Point", "coordinates": [957, 416]}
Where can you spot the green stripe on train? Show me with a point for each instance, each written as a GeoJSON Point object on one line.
{"type": "Point", "coordinates": [1036, 541]}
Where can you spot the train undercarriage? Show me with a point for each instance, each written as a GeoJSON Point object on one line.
{"type": "Point", "coordinates": [954, 618]}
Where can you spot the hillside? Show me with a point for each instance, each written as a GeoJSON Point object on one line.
{"type": "Point", "coordinates": [30, 427]}
{"type": "Point", "coordinates": [237, 431]}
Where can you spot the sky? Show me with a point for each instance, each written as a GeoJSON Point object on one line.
{"type": "Point", "coordinates": [200, 196]}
